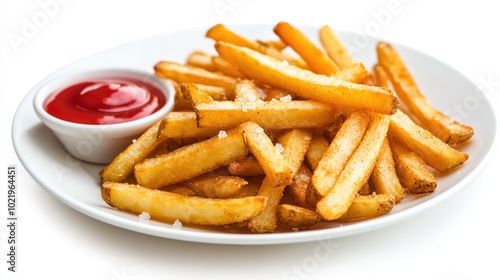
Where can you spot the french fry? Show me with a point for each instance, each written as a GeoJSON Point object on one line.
{"type": "Point", "coordinates": [292, 114]}
{"type": "Point", "coordinates": [183, 125]}
{"type": "Point", "coordinates": [249, 166]}
{"type": "Point", "coordinates": [246, 90]}
{"type": "Point", "coordinates": [201, 60]}
{"type": "Point", "coordinates": [369, 206]}
{"type": "Point", "coordinates": [272, 161]}
{"type": "Point", "coordinates": [301, 187]}
{"type": "Point", "coordinates": [177, 166]}
{"type": "Point", "coordinates": [340, 151]}
{"type": "Point", "coordinates": [316, 60]}
{"type": "Point", "coordinates": [318, 147]}
{"type": "Point", "coordinates": [220, 32]}
{"type": "Point", "coordinates": [412, 171]}
{"type": "Point", "coordinates": [190, 74]}
{"type": "Point", "coordinates": [431, 149]}
{"type": "Point", "coordinates": [123, 165]}
{"type": "Point", "coordinates": [356, 73]}
{"type": "Point", "coordinates": [224, 67]}
{"type": "Point", "coordinates": [169, 207]}
{"type": "Point", "coordinates": [297, 217]}
{"type": "Point", "coordinates": [295, 144]}
{"type": "Point", "coordinates": [381, 78]}
{"type": "Point", "coordinates": [216, 186]}
{"type": "Point", "coordinates": [306, 84]}
{"type": "Point", "coordinates": [384, 177]}
{"type": "Point", "coordinates": [356, 172]}
{"type": "Point", "coordinates": [442, 126]}
{"type": "Point", "coordinates": [194, 95]}
{"type": "Point", "coordinates": [334, 47]}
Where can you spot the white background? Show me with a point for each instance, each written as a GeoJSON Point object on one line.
{"type": "Point", "coordinates": [455, 240]}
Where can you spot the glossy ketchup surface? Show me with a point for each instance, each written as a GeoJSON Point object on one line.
{"type": "Point", "coordinates": [107, 101]}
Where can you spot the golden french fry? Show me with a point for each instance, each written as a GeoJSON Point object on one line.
{"type": "Point", "coordinates": [306, 84]}
{"type": "Point", "coordinates": [318, 147]}
{"type": "Point", "coordinates": [169, 207]}
{"type": "Point", "coordinates": [294, 144]}
{"type": "Point", "coordinates": [191, 74]}
{"type": "Point", "coordinates": [369, 206]}
{"type": "Point", "coordinates": [226, 68]}
{"type": "Point", "coordinates": [216, 186]}
{"type": "Point", "coordinates": [442, 126]}
{"type": "Point", "coordinates": [356, 73]}
{"type": "Point", "coordinates": [194, 95]}
{"type": "Point", "coordinates": [381, 78]}
{"type": "Point", "coordinates": [246, 90]}
{"type": "Point", "coordinates": [249, 166]}
{"type": "Point", "coordinates": [201, 60]}
{"type": "Point", "coordinates": [272, 161]}
{"type": "Point", "coordinates": [123, 165]}
{"type": "Point", "coordinates": [179, 189]}
{"type": "Point", "coordinates": [334, 47]}
{"type": "Point", "coordinates": [183, 125]}
{"type": "Point", "coordinates": [431, 149]}
{"type": "Point", "coordinates": [339, 152]}
{"type": "Point", "coordinates": [384, 177]}
{"type": "Point", "coordinates": [220, 32]}
{"type": "Point", "coordinates": [297, 217]}
{"type": "Point", "coordinates": [301, 187]}
{"type": "Point", "coordinates": [316, 60]}
{"type": "Point", "coordinates": [412, 171]}
{"type": "Point", "coordinates": [356, 172]}
{"type": "Point", "coordinates": [177, 166]}
{"type": "Point", "coordinates": [292, 114]}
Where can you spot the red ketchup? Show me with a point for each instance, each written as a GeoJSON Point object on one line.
{"type": "Point", "coordinates": [105, 101]}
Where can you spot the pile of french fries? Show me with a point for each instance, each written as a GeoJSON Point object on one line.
{"type": "Point", "coordinates": [283, 134]}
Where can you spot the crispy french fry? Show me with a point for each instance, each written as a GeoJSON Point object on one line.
{"type": "Point", "coordinates": [220, 32]}
{"type": "Point", "coordinates": [246, 90]}
{"type": "Point", "coordinates": [316, 60]}
{"type": "Point", "coordinates": [412, 171]}
{"type": "Point", "coordinates": [201, 60]}
{"type": "Point", "coordinates": [191, 74]}
{"type": "Point", "coordinates": [384, 177]}
{"type": "Point", "coordinates": [216, 186]}
{"type": "Point", "coordinates": [318, 147]}
{"type": "Point", "coordinates": [292, 114]}
{"type": "Point", "coordinates": [123, 165]}
{"type": "Point", "coordinates": [272, 161]}
{"type": "Point", "coordinates": [183, 125]}
{"type": "Point", "coordinates": [294, 144]}
{"type": "Point", "coordinates": [169, 207]}
{"type": "Point", "coordinates": [442, 126]}
{"type": "Point", "coordinates": [369, 206]}
{"type": "Point", "coordinates": [356, 172]}
{"type": "Point", "coordinates": [431, 149]}
{"type": "Point", "coordinates": [177, 166]}
{"type": "Point", "coordinates": [334, 47]}
{"type": "Point", "coordinates": [179, 189]}
{"type": "Point", "coordinates": [225, 67]}
{"type": "Point", "coordinates": [249, 166]}
{"type": "Point", "coordinates": [339, 152]}
{"type": "Point", "coordinates": [297, 217]}
{"type": "Point", "coordinates": [306, 84]}
{"type": "Point", "coordinates": [356, 73]}
{"type": "Point", "coordinates": [301, 187]}
{"type": "Point", "coordinates": [381, 78]}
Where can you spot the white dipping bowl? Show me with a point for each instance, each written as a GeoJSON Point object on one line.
{"type": "Point", "coordinates": [100, 143]}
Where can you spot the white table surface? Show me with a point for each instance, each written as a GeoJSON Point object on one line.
{"type": "Point", "coordinates": [454, 240]}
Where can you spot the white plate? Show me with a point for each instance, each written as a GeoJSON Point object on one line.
{"type": "Point", "coordinates": [76, 183]}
